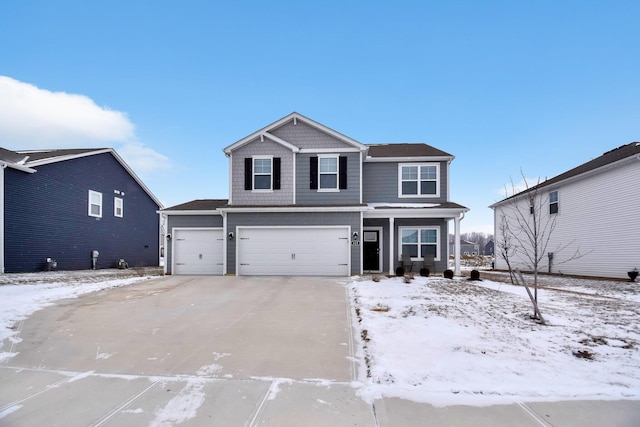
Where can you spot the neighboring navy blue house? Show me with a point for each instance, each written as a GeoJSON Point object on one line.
{"type": "Point", "coordinates": [61, 205]}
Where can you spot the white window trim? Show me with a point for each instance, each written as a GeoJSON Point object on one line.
{"type": "Point", "coordinates": [557, 202]}
{"type": "Point", "coordinates": [337, 188]}
{"type": "Point", "coordinates": [95, 193]}
{"type": "Point", "coordinates": [253, 175]}
{"type": "Point", "coordinates": [437, 193]}
{"type": "Point", "coordinates": [437, 229]}
{"type": "Point", "coordinates": [118, 202]}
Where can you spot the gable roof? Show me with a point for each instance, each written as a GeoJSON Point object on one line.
{"type": "Point", "coordinates": [31, 159]}
{"type": "Point", "coordinates": [606, 159]}
{"type": "Point", "coordinates": [405, 150]}
{"type": "Point", "coordinates": [265, 133]}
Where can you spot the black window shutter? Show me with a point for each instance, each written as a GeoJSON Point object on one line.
{"type": "Point", "coordinates": [248, 173]}
{"type": "Point", "coordinates": [343, 173]}
{"type": "Point", "coordinates": [313, 173]}
{"type": "Point", "coordinates": [276, 173]}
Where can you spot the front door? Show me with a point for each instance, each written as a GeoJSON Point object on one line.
{"type": "Point", "coordinates": [371, 250]}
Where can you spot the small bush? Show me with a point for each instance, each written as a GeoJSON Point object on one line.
{"type": "Point", "coordinates": [448, 274]}
{"type": "Point", "coordinates": [475, 275]}
{"type": "Point", "coordinates": [400, 271]}
{"type": "Point", "coordinates": [376, 278]}
{"type": "Point", "coordinates": [408, 277]}
{"type": "Point", "coordinates": [424, 272]}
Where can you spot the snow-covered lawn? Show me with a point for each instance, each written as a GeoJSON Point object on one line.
{"type": "Point", "coordinates": [458, 341]}
{"type": "Point", "coordinates": [19, 301]}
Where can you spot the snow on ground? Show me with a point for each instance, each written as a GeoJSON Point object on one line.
{"type": "Point", "coordinates": [34, 291]}
{"type": "Point", "coordinates": [473, 342]}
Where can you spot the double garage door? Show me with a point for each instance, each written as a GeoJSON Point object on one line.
{"type": "Point", "coordinates": [198, 251]}
{"type": "Point", "coordinates": [262, 251]}
{"type": "Point", "coordinates": [293, 251]}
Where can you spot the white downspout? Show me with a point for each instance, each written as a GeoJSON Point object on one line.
{"type": "Point", "coordinates": [2, 218]}
{"type": "Point", "coordinates": [456, 244]}
{"type": "Point", "coordinates": [392, 269]}
{"type": "Point", "coordinates": [225, 239]}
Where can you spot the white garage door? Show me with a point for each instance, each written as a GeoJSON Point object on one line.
{"type": "Point", "coordinates": [197, 251]}
{"type": "Point", "coordinates": [294, 251]}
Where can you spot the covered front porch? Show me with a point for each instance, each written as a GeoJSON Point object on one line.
{"type": "Point", "coordinates": [419, 231]}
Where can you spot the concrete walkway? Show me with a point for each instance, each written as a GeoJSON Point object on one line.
{"type": "Point", "coordinates": [224, 351]}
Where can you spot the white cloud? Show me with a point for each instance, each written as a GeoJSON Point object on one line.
{"type": "Point", "coordinates": [35, 118]}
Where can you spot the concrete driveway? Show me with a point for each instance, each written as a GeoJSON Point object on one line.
{"type": "Point", "coordinates": [198, 350]}
{"type": "Point", "coordinates": [224, 351]}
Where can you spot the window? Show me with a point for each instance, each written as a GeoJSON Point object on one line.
{"type": "Point", "coordinates": [262, 173]}
{"type": "Point", "coordinates": [553, 202]}
{"type": "Point", "coordinates": [328, 173]}
{"type": "Point", "coordinates": [95, 204]}
{"type": "Point", "coordinates": [419, 180]}
{"type": "Point", "coordinates": [418, 242]}
{"type": "Point", "coordinates": [118, 207]}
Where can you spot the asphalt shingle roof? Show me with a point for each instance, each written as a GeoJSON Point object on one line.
{"type": "Point", "coordinates": [199, 205]}
{"type": "Point", "coordinates": [405, 150]}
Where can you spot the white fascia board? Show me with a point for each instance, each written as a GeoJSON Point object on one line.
{"type": "Point", "coordinates": [267, 209]}
{"type": "Point", "coordinates": [17, 167]}
{"type": "Point", "coordinates": [134, 176]}
{"type": "Point", "coordinates": [409, 159]}
{"type": "Point", "coordinates": [415, 213]}
{"type": "Point", "coordinates": [280, 141]}
{"type": "Point", "coordinates": [57, 159]}
{"type": "Point", "coordinates": [329, 131]}
{"type": "Point", "coordinates": [191, 212]}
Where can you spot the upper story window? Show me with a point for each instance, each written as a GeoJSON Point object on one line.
{"type": "Point", "coordinates": [328, 173]}
{"type": "Point", "coordinates": [95, 204]}
{"type": "Point", "coordinates": [553, 202]}
{"type": "Point", "coordinates": [419, 180]}
{"type": "Point", "coordinates": [118, 207]}
{"type": "Point", "coordinates": [262, 173]}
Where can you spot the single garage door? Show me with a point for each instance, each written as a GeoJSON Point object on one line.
{"type": "Point", "coordinates": [293, 251]}
{"type": "Point", "coordinates": [197, 251]}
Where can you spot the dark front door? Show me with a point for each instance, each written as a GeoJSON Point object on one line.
{"type": "Point", "coordinates": [371, 250]}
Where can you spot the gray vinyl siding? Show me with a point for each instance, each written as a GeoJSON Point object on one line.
{"type": "Point", "coordinates": [240, 196]}
{"type": "Point", "coordinates": [292, 219]}
{"type": "Point", "coordinates": [348, 196]}
{"type": "Point", "coordinates": [304, 136]}
{"type": "Point", "coordinates": [380, 184]}
{"type": "Point", "coordinates": [188, 221]}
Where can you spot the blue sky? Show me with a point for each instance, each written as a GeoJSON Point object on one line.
{"type": "Point", "coordinates": [505, 86]}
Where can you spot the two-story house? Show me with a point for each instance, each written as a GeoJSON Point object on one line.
{"type": "Point", "coordinates": [307, 200]}
{"type": "Point", "coordinates": [74, 209]}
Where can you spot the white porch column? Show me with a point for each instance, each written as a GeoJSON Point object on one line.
{"type": "Point", "coordinates": [456, 244]}
{"type": "Point", "coordinates": [392, 264]}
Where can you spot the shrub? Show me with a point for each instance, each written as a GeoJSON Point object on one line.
{"type": "Point", "coordinates": [475, 275]}
{"type": "Point", "coordinates": [448, 274]}
{"type": "Point", "coordinates": [400, 271]}
{"type": "Point", "coordinates": [376, 278]}
{"type": "Point", "coordinates": [424, 272]}
{"type": "Point", "coordinates": [408, 277]}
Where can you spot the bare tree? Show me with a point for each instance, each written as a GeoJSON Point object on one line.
{"type": "Point", "coordinates": [529, 226]}
{"type": "Point", "coordinates": [504, 247]}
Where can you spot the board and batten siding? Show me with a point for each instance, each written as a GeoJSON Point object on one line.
{"type": "Point", "coordinates": [280, 219]}
{"type": "Point", "coordinates": [308, 196]}
{"type": "Point", "coordinates": [283, 196]}
{"type": "Point", "coordinates": [188, 221]}
{"type": "Point", "coordinates": [380, 184]}
{"type": "Point", "coordinates": [598, 217]}
{"type": "Point", "coordinates": [46, 216]}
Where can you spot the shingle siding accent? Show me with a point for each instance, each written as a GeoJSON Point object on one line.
{"type": "Point", "coordinates": [283, 196]}
{"type": "Point", "coordinates": [188, 221]}
{"type": "Point", "coordinates": [292, 219]}
{"type": "Point", "coordinates": [380, 184]}
{"type": "Point", "coordinates": [304, 136]}
{"type": "Point", "coordinates": [308, 196]}
{"type": "Point", "coordinates": [46, 215]}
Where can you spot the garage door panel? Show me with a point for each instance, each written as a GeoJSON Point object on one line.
{"type": "Point", "coordinates": [294, 251]}
{"type": "Point", "coordinates": [198, 252]}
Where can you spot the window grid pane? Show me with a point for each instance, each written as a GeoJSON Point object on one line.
{"type": "Point", "coordinates": [328, 165]}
